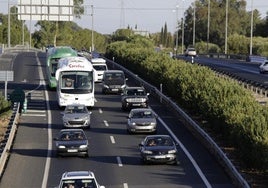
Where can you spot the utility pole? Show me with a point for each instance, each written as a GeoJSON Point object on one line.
{"type": "Point", "coordinates": [251, 28]}
{"type": "Point", "coordinates": [92, 32]}
{"type": "Point", "coordinates": [208, 24]}
{"type": "Point", "coordinates": [226, 26]}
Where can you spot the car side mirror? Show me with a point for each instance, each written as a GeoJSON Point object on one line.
{"type": "Point", "coordinates": [55, 139]}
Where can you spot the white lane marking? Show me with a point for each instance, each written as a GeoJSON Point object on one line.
{"type": "Point", "coordinates": [49, 130]}
{"type": "Point", "coordinates": [119, 161]}
{"type": "Point", "coordinates": [33, 111]}
{"type": "Point", "coordinates": [112, 139]}
{"type": "Point", "coordinates": [125, 185]}
{"type": "Point", "coordinates": [199, 171]}
{"type": "Point", "coordinates": [35, 115]}
{"type": "Point", "coordinates": [100, 111]}
{"type": "Point", "coordinates": [106, 123]}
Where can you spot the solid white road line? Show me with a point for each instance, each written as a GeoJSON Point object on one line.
{"type": "Point", "coordinates": [49, 131]}
{"type": "Point", "coordinates": [125, 185]}
{"type": "Point", "coordinates": [199, 171]}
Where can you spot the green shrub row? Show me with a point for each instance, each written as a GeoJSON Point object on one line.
{"type": "Point", "coordinates": [231, 110]}
{"type": "Point", "coordinates": [4, 104]}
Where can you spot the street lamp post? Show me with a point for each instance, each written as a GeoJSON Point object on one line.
{"type": "Point", "coordinates": [182, 29]}
{"type": "Point", "coordinates": [251, 28]}
{"type": "Point", "coordinates": [194, 26]}
{"type": "Point", "coordinates": [226, 26]}
{"type": "Point", "coordinates": [92, 33]}
{"type": "Point", "coordinates": [8, 25]}
{"type": "Point", "coordinates": [208, 24]}
{"type": "Point", "coordinates": [177, 29]}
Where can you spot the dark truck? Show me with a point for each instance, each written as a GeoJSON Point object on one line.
{"type": "Point", "coordinates": [114, 81]}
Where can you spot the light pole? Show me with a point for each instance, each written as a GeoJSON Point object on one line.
{"type": "Point", "coordinates": [226, 26]}
{"type": "Point", "coordinates": [251, 28]}
{"type": "Point", "coordinates": [194, 26]}
{"type": "Point", "coordinates": [92, 33]}
{"type": "Point", "coordinates": [177, 29]}
{"type": "Point", "coordinates": [182, 29]}
{"type": "Point", "coordinates": [208, 24]}
{"type": "Point", "coordinates": [8, 25]}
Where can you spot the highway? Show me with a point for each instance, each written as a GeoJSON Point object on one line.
{"type": "Point", "coordinates": [241, 69]}
{"type": "Point", "coordinates": [113, 153]}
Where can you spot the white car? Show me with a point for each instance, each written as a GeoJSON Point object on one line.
{"type": "Point", "coordinates": [99, 64]}
{"type": "Point", "coordinates": [264, 67]}
{"type": "Point", "coordinates": [190, 52]}
{"type": "Point", "coordinates": [79, 179]}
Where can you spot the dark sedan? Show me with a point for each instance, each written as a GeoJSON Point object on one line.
{"type": "Point", "coordinates": [71, 142]}
{"type": "Point", "coordinates": [158, 149]}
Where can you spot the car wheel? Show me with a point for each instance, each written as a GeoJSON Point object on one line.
{"type": "Point", "coordinates": [143, 161]}
{"type": "Point", "coordinates": [174, 162]}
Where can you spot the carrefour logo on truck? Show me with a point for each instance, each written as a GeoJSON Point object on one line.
{"type": "Point", "coordinates": [76, 66]}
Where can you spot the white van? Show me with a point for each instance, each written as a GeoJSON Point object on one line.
{"type": "Point", "coordinates": [99, 64]}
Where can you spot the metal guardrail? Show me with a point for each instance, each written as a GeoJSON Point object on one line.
{"type": "Point", "coordinates": [193, 126]}
{"type": "Point", "coordinates": [9, 137]}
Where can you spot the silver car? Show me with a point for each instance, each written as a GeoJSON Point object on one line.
{"type": "Point", "coordinates": [141, 120]}
{"type": "Point", "coordinates": [76, 115]}
{"type": "Point", "coordinates": [264, 67]}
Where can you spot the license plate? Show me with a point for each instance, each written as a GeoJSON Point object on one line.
{"type": "Point", "coordinates": [135, 104]}
{"type": "Point", "coordinates": [72, 150]}
{"type": "Point", "coordinates": [114, 89]}
{"type": "Point", "coordinates": [160, 157]}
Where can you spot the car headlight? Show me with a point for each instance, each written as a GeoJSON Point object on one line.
{"type": "Point", "coordinates": [83, 146]}
{"type": "Point", "coordinates": [172, 151]}
{"type": "Point", "coordinates": [143, 100]}
{"type": "Point", "coordinates": [132, 123]}
{"type": "Point", "coordinates": [147, 152]}
{"type": "Point", "coordinates": [105, 86]}
{"type": "Point", "coordinates": [61, 147]}
{"type": "Point", "coordinates": [123, 86]}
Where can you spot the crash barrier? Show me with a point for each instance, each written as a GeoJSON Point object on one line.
{"type": "Point", "coordinates": [255, 59]}
{"type": "Point", "coordinates": [194, 127]}
{"type": "Point", "coordinates": [9, 137]}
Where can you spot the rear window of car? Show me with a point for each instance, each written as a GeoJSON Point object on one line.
{"type": "Point", "coordinates": [79, 183]}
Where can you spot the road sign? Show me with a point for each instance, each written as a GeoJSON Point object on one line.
{"type": "Point", "coordinates": [6, 75]}
{"type": "Point", "coordinates": [50, 10]}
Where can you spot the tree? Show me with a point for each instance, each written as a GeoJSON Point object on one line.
{"type": "Point", "coordinates": [238, 21]}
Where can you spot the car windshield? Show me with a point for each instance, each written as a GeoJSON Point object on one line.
{"type": "Point", "coordinates": [160, 141]}
{"type": "Point", "coordinates": [110, 76]}
{"type": "Point", "coordinates": [138, 92]}
{"type": "Point", "coordinates": [75, 109]}
{"type": "Point", "coordinates": [78, 183]}
{"type": "Point", "coordinates": [100, 67]}
{"type": "Point", "coordinates": [142, 114]}
{"type": "Point", "coordinates": [72, 135]}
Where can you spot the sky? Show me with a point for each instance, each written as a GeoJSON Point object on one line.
{"type": "Point", "coordinates": [146, 15]}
